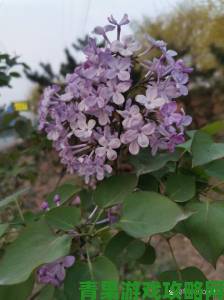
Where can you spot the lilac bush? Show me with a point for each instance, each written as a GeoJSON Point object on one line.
{"type": "Point", "coordinates": [101, 113]}
{"type": "Point", "coordinates": [106, 121]}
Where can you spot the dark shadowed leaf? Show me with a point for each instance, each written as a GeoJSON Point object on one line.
{"type": "Point", "coordinates": [148, 182]}
{"type": "Point", "coordinates": [204, 229]}
{"type": "Point", "coordinates": [148, 257]}
{"type": "Point", "coordinates": [148, 213]}
{"type": "Point", "coordinates": [123, 248]}
{"type": "Point", "coordinates": [188, 274]}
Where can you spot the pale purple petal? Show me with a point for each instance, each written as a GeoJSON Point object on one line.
{"type": "Point", "coordinates": [111, 154]}
{"type": "Point", "coordinates": [124, 75]}
{"type": "Point", "coordinates": [115, 143]}
{"type": "Point", "coordinates": [118, 98]}
{"type": "Point", "coordinates": [134, 148]}
{"type": "Point", "coordinates": [143, 140]}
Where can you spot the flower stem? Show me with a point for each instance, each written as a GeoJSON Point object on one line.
{"type": "Point", "coordinates": [20, 211]}
{"type": "Point", "coordinates": [102, 229]}
{"type": "Point", "coordinates": [89, 263]}
{"type": "Point", "coordinates": [94, 223]}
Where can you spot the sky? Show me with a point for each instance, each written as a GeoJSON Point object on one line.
{"type": "Point", "coordinates": [39, 30]}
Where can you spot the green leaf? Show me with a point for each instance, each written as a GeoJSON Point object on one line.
{"type": "Point", "coordinates": [148, 213]}
{"type": "Point", "coordinates": [123, 248]}
{"type": "Point", "coordinates": [214, 127]}
{"type": "Point", "coordinates": [47, 293]}
{"type": "Point", "coordinates": [148, 182]}
{"type": "Point", "coordinates": [188, 274]}
{"type": "Point", "coordinates": [64, 218]}
{"type": "Point", "coordinates": [3, 228]}
{"type": "Point", "coordinates": [20, 291]}
{"type": "Point", "coordinates": [215, 169]}
{"type": "Point", "coordinates": [204, 150]}
{"type": "Point", "coordinates": [205, 229]}
{"type": "Point", "coordinates": [35, 245]}
{"type": "Point", "coordinates": [102, 267]}
{"type": "Point", "coordinates": [180, 187]}
{"type": "Point", "coordinates": [187, 145]}
{"type": "Point", "coordinates": [12, 198]}
{"type": "Point", "coordinates": [114, 189]}
{"type": "Point", "coordinates": [148, 257]}
{"type": "Point", "coordinates": [145, 163]}
{"type": "Point", "coordinates": [66, 192]}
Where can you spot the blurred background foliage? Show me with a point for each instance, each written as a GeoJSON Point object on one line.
{"type": "Point", "coordinates": [195, 30]}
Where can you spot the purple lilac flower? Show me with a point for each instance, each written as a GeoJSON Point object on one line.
{"type": "Point", "coordinates": [44, 206]}
{"type": "Point", "coordinates": [57, 200]}
{"type": "Point", "coordinates": [138, 138]}
{"type": "Point", "coordinates": [151, 100]}
{"type": "Point", "coordinates": [123, 21]}
{"type": "Point", "coordinates": [107, 147]}
{"type": "Point", "coordinates": [119, 68]}
{"type": "Point", "coordinates": [54, 273]}
{"type": "Point", "coordinates": [76, 201]}
{"type": "Point", "coordinates": [94, 119]}
{"type": "Point", "coordinates": [131, 114]}
{"type": "Point", "coordinates": [127, 47]}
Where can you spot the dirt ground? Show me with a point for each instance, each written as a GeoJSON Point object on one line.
{"type": "Point", "coordinates": [186, 256]}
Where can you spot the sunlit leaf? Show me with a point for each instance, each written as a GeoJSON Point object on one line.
{"type": "Point", "coordinates": [36, 245]}
{"type": "Point", "coordinates": [148, 213]}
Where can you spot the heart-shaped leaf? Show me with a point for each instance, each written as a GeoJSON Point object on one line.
{"type": "Point", "coordinates": [123, 248]}
{"type": "Point", "coordinates": [204, 229]}
{"type": "Point", "coordinates": [188, 274]}
{"type": "Point", "coordinates": [215, 169]}
{"type": "Point", "coordinates": [114, 189]}
{"type": "Point", "coordinates": [204, 150]}
{"type": "Point", "coordinates": [148, 213]}
{"type": "Point", "coordinates": [36, 245]}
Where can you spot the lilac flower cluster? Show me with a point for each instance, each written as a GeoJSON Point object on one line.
{"type": "Point", "coordinates": [54, 273]}
{"type": "Point", "coordinates": [95, 117]}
